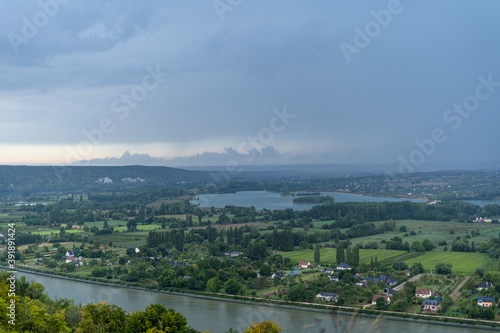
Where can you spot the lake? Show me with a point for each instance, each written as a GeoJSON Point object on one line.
{"type": "Point", "coordinates": [272, 201]}
{"type": "Point", "coordinates": [219, 316]}
{"type": "Point", "coordinates": [483, 203]}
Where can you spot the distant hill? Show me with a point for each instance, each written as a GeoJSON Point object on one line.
{"type": "Point", "coordinates": [18, 179]}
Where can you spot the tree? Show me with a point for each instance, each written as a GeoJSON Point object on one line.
{"type": "Point", "coordinates": [317, 255]}
{"type": "Point", "coordinates": [223, 219]}
{"type": "Point", "coordinates": [428, 245]}
{"type": "Point", "coordinates": [400, 266]}
{"type": "Point", "coordinates": [232, 286]}
{"type": "Point", "coordinates": [402, 228]}
{"type": "Point", "coordinates": [102, 317]}
{"type": "Point", "coordinates": [297, 293]}
{"type": "Point", "coordinates": [265, 270]}
{"type": "Point", "coordinates": [417, 246]}
{"type": "Point", "coordinates": [132, 225]}
{"type": "Point", "coordinates": [213, 284]}
{"type": "Point", "coordinates": [52, 264]}
{"type": "Point", "coordinates": [340, 253]}
{"type": "Point", "coordinates": [417, 268]}
{"type": "Point", "coordinates": [355, 256]}
{"type": "Point", "coordinates": [263, 327]}
{"type": "Point", "coordinates": [156, 319]}
{"type": "Point", "coordinates": [443, 268]}
{"type": "Point", "coordinates": [381, 303]}
{"type": "Point", "coordinates": [446, 303]}
{"type": "Point", "coordinates": [348, 255]}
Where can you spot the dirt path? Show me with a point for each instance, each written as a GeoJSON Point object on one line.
{"type": "Point", "coordinates": [459, 286]}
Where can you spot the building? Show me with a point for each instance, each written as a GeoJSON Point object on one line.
{"type": "Point", "coordinates": [485, 302]}
{"type": "Point", "coordinates": [389, 291]}
{"type": "Point", "coordinates": [391, 281]}
{"type": "Point", "coordinates": [329, 297]}
{"type": "Point", "coordinates": [375, 297]}
{"type": "Point", "coordinates": [431, 305]}
{"type": "Point", "coordinates": [484, 285]}
{"type": "Point", "coordinates": [70, 259]}
{"type": "Point", "coordinates": [304, 264]}
{"type": "Point", "coordinates": [343, 267]}
{"type": "Point", "coordinates": [423, 293]}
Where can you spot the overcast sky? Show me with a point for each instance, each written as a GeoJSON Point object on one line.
{"type": "Point", "coordinates": [282, 81]}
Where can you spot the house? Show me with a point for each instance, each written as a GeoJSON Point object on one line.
{"type": "Point", "coordinates": [389, 291]}
{"type": "Point", "coordinates": [186, 277]}
{"type": "Point", "coordinates": [334, 279]}
{"type": "Point", "coordinates": [278, 275]}
{"type": "Point", "coordinates": [431, 305]}
{"type": "Point", "coordinates": [484, 285]}
{"type": "Point", "coordinates": [423, 293]}
{"type": "Point", "coordinates": [235, 254]}
{"type": "Point", "coordinates": [329, 270]}
{"type": "Point", "coordinates": [383, 277]}
{"type": "Point", "coordinates": [343, 267]}
{"type": "Point", "coordinates": [295, 272]}
{"type": "Point", "coordinates": [361, 283]}
{"type": "Point", "coordinates": [329, 297]}
{"type": "Point", "coordinates": [375, 297]}
{"type": "Point", "coordinates": [407, 272]}
{"type": "Point", "coordinates": [73, 253]}
{"type": "Point", "coordinates": [70, 259]}
{"type": "Point", "coordinates": [485, 302]}
{"type": "Point", "coordinates": [391, 281]}
{"type": "Point", "coordinates": [304, 264]}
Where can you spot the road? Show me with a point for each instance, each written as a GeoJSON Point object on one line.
{"type": "Point", "coordinates": [398, 288]}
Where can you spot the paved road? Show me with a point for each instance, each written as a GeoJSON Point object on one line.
{"type": "Point", "coordinates": [398, 288]}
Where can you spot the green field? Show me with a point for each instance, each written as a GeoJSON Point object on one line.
{"type": "Point", "coordinates": [462, 262]}
{"type": "Point", "coordinates": [48, 232]}
{"type": "Point", "coordinates": [111, 223]}
{"type": "Point", "coordinates": [328, 255]}
{"type": "Point", "coordinates": [435, 231]}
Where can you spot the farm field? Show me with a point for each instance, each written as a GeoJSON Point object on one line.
{"type": "Point", "coordinates": [328, 255]}
{"type": "Point", "coordinates": [48, 232]}
{"type": "Point", "coordinates": [435, 231]}
{"type": "Point", "coordinates": [462, 262]}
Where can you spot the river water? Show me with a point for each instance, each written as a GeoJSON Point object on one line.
{"type": "Point", "coordinates": [219, 316]}
{"type": "Point", "coordinates": [271, 200]}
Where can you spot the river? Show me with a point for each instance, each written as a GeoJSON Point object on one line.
{"type": "Point", "coordinates": [271, 200]}
{"type": "Point", "coordinates": [219, 316]}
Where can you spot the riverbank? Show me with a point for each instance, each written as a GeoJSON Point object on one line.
{"type": "Point", "coordinates": [302, 306]}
